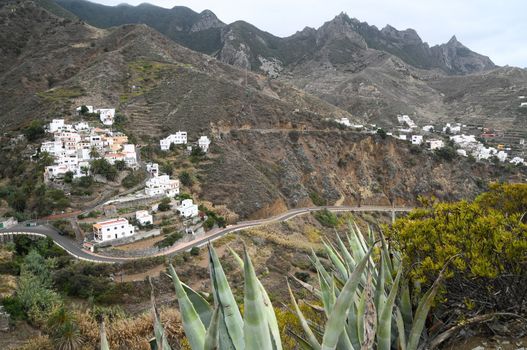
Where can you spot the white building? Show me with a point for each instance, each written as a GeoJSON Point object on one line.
{"type": "Point", "coordinates": [502, 156]}
{"type": "Point", "coordinates": [402, 137]}
{"type": "Point", "coordinates": [344, 121]}
{"type": "Point", "coordinates": [436, 144]}
{"type": "Point", "coordinates": [130, 156]}
{"type": "Point", "coordinates": [112, 229]}
{"type": "Point", "coordinates": [523, 104]}
{"type": "Point", "coordinates": [90, 109]}
{"type": "Point", "coordinates": [517, 160]}
{"type": "Point", "coordinates": [461, 152]}
{"type": "Point", "coordinates": [143, 217]}
{"type": "Point", "coordinates": [188, 209]}
{"type": "Point", "coordinates": [179, 138]}
{"type": "Point", "coordinates": [428, 128]}
{"type": "Point", "coordinates": [405, 119]}
{"type": "Point", "coordinates": [162, 185]}
{"type": "Point", "coordinates": [55, 125]}
{"type": "Point", "coordinates": [453, 128]}
{"type": "Point", "coordinates": [417, 139]}
{"type": "Point", "coordinates": [107, 115]}
{"type": "Point", "coordinates": [81, 126]}
{"type": "Point", "coordinates": [7, 223]}
{"type": "Point", "coordinates": [152, 169]}
{"type": "Point", "coordinates": [204, 143]}
{"type": "Point", "coordinates": [54, 148]}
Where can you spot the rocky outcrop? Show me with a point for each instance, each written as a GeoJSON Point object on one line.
{"type": "Point", "coordinates": [207, 20]}
{"type": "Point", "coordinates": [456, 58]}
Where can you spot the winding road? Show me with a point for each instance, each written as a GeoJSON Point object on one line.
{"type": "Point", "coordinates": [76, 250]}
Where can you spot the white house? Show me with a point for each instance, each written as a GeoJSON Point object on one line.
{"type": "Point", "coordinates": [54, 148]}
{"type": "Point", "coordinates": [453, 128]}
{"type": "Point", "coordinates": [188, 209]}
{"type": "Point", "coordinates": [402, 137]}
{"type": "Point", "coordinates": [428, 128]}
{"type": "Point", "coordinates": [523, 104]}
{"type": "Point", "coordinates": [179, 138]}
{"type": "Point", "coordinates": [112, 229]}
{"type": "Point", "coordinates": [436, 144]}
{"type": "Point", "coordinates": [130, 156]}
{"type": "Point", "coordinates": [204, 143]}
{"type": "Point", "coordinates": [143, 217]}
{"type": "Point", "coordinates": [517, 160]}
{"type": "Point", "coordinates": [405, 119]}
{"type": "Point", "coordinates": [107, 115]}
{"type": "Point", "coordinates": [90, 109]}
{"type": "Point", "coordinates": [417, 139]}
{"type": "Point", "coordinates": [7, 223]}
{"type": "Point", "coordinates": [55, 125]}
{"type": "Point", "coordinates": [343, 121]}
{"type": "Point", "coordinates": [461, 152]}
{"type": "Point", "coordinates": [162, 185]}
{"type": "Point", "coordinates": [81, 126]}
{"type": "Point", "coordinates": [152, 169]}
{"type": "Point", "coordinates": [502, 156]}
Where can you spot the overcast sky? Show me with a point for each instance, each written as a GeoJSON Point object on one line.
{"type": "Point", "coordinates": [494, 28]}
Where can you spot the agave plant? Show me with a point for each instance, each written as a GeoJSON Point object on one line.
{"type": "Point", "coordinates": [380, 313]}
{"type": "Point", "coordinates": [222, 327]}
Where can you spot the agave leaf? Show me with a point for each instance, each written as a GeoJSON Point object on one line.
{"type": "Point", "coordinates": [211, 337]}
{"type": "Point", "coordinates": [225, 301]}
{"type": "Point", "coordinates": [336, 259]}
{"type": "Point", "coordinates": [400, 330]}
{"type": "Point", "coordinates": [320, 268]}
{"type": "Point", "coordinates": [420, 314]}
{"type": "Point", "coordinates": [405, 305]}
{"type": "Point", "coordinates": [200, 304]}
{"type": "Point", "coordinates": [355, 245]}
{"type": "Point", "coordinates": [159, 331]}
{"type": "Point", "coordinates": [311, 338]}
{"type": "Point", "coordinates": [380, 292]}
{"type": "Point", "coordinates": [353, 326]}
{"type": "Point", "coordinates": [336, 321]}
{"type": "Point", "coordinates": [384, 330]}
{"type": "Point", "coordinates": [255, 328]}
{"type": "Point", "coordinates": [269, 310]}
{"type": "Point", "coordinates": [350, 262]}
{"type": "Point", "coordinates": [327, 292]}
{"type": "Point", "coordinates": [361, 311]}
{"type": "Point", "coordinates": [194, 328]}
{"type": "Point", "coordinates": [104, 340]}
{"type": "Point", "coordinates": [304, 344]}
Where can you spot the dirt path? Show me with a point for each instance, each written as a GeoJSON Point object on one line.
{"type": "Point", "coordinates": [153, 272]}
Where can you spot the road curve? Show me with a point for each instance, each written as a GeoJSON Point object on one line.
{"type": "Point", "coordinates": [76, 250]}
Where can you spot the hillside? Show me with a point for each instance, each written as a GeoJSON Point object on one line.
{"type": "Point", "coordinates": [273, 147]}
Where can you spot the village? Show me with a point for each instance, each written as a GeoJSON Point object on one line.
{"type": "Point", "coordinates": [78, 146]}
{"type": "Point", "coordinates": [477, 141]}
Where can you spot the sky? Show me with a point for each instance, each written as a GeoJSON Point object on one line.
{"type": "Point", "coordinates": [495, 28]}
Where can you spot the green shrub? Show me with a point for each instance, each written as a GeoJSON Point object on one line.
{"type": "Point", "coordinates": [185, 178]}
{"type": "Point", "coordinates": [326, 218]}
{"type": "Point", "coordinates": [484, 244]}
{"type": "Point", "coordinates": [317, 200]}
{"type": "Point", "coordinates": [194, 251]}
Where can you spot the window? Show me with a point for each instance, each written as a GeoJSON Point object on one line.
{"type": "Point", "coordinates": [108, 229]}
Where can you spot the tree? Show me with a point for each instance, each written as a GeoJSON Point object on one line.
{"type": "Point", "coordinates": [84, 110]}
{"type": "Point", "coordinates": [94, 153]}
{"type": "Point", "coordinates": [68, 177]}
{"type": "Point", "coordinates": [120, 165]}
{"type": "Point", "coordinates": [194, 251]}
{"type": "Point", "coordinates": [185, 178]}
{"type": "Point", "coordinates": [164, 205]}
{"type": "Point", "coordinates": [34, 131]}
{"type": "Point", "coordinates": [17, 200]}
{"type": "Point", "coordinates": [381, 133]}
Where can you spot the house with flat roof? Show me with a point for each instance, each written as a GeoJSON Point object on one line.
{"type": "Point", "coordinates": [112, 229]}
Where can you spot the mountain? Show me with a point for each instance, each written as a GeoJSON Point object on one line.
{"type": "Point", "coordinates": [273, 146]}
{"type": "Point", "coordinates": [242, 44]}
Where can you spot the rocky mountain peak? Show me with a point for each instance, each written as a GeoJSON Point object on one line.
{"type": "Point", "coordinates": [408, 36]}
{"type": "Point", "coordinates": [207, 20]}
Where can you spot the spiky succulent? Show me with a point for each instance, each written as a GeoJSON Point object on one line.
{"type": "Point", "coordinates": [365, 299]}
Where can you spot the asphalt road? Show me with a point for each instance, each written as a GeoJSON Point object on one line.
{"type": "Point", "coordinates": [76, 250]}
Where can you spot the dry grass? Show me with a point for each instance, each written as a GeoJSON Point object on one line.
{"type": "Point", "coordinates": [7, 285]}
